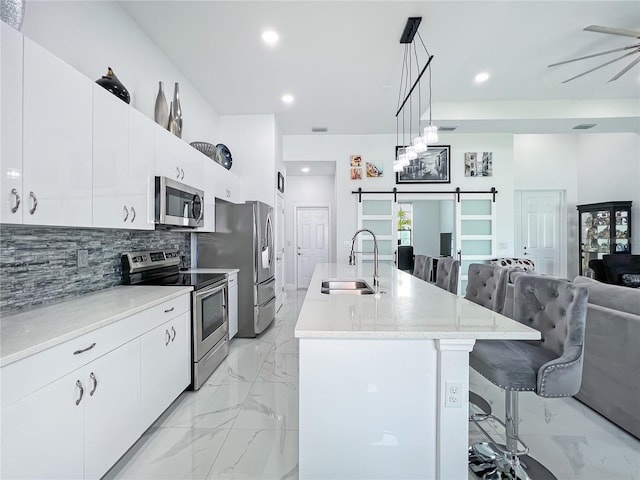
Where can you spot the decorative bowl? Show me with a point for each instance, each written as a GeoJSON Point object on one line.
{"type": "Point", "coordinates": [208, 149]}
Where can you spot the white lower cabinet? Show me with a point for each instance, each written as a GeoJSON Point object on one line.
{"type": "Point", "coordinates": [233, 304]}
{"type": "Point", "coordinates": [43, 434]}
{"type": "Point", "coordinates": [80, 417]}
{"type": "Point", "coordinates": [79, 425]}
{"type": "Point", "coordinates": [111, 407]}
{"type": "Point", "coordinates": [166, 367]}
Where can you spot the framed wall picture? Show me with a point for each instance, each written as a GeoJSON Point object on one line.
{"type": "Point", "coordinates": [280, 182]}
{"type": "Point", "coordinates": [432, 166]}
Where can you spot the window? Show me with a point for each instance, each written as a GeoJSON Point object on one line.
{"type": "Point", "coordinates": [405, 219]}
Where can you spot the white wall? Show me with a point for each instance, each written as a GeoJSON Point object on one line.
{"type": "Point", "coordinates": [609, 170]}
{"type": "Point", "coordinates": [380, 149]}
{"type": "Point", "coordinates": [589, 167]}
{"type": "Point", "coordinates": [91, 36]}
{"type": "Point", "coordinates": [303, 191]}
{"type": "Point", "coordinates": [252, 142]}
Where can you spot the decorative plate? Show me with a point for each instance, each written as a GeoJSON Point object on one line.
{"type": "Point", "coordinates": [223, 156]}
{"type": "Point", "coordinates": [208, 149]}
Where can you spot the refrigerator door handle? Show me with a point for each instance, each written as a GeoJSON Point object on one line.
{"type": "Point", "coordinates": [269, 231]}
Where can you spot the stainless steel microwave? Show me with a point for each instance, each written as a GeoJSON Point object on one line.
{"type": "Point", "coordinates": [177, 204]}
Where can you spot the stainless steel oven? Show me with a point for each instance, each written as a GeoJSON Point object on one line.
{"type": "Point", "coordinates": [210, 308]}
{"type": "Point", "coordinates": [209, 304]}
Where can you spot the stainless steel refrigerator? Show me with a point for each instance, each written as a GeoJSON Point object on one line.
{"type": "Point", "coordinates": [244, 240]}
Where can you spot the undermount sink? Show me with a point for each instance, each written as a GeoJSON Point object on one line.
{"type": "Point", "coordinates": [349, 287]}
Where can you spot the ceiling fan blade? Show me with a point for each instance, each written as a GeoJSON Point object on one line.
{"type": "Point", "coordinates": [625, 69]}
{"type": "Point", "coordinates": [613, 31]}
{"type": "Point", "coordinates": [595, 55]}
{"type": "Point", "coordinates": [600, 66]}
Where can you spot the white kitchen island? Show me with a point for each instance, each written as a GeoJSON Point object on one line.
{"type": "Point", "coordinates": [384, 378]}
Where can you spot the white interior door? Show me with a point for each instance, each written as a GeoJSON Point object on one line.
{"type": "Point", "coordinates": [279, 250]}
{"type": "Point", "coordinates": [312, 238]}
{"type": "Point", "coordinates": [539, 229]}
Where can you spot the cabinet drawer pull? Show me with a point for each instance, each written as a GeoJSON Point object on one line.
{"type": "Point", "coordinates": [170, 310]}
{"type": "Point", "coordinates": [78, 352]}
{"type": "Point", "coordinates": [14, 192]}
{"type": "Point", "coordinates": [178, 173]}
{"type": "Point", "coordinates": [79, 385]}
{"type": "Point", "coordinates": [173, 330]}
{"type": "Point", "coordinates": [95, 384]}
{"type": "Point", "coordinates": [182, 172]}
{"type": "Point", "coordinates": [168, 338]}
{"type": "Point", "coordinates": [34, 203]}
{"type": "Point", "coordinates": [133, 214]}
{"type": "Point", "coordinates": [126, 213]}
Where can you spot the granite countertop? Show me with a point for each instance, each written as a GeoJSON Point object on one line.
{"type": "Point", "coordinates": [214, 270]}
{"type": "Point", "coordinates": [35, 329]}
{"type": "Point", "coordinates": [406, 307]}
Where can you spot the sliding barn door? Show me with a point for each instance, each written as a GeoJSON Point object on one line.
{"type": "Point", "coordinates": [475, 234]}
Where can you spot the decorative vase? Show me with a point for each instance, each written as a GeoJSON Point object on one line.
{"type": "Point", "coordinates": [176, 111]}
{"type": "Point", "coordinates": [172, 125]}
{"type": "Point", "coordinates": [110, 82]}
{"type": "Point", "coordinates": [12, 12]}
{"type": "Point", "coordinates": [161, 112]}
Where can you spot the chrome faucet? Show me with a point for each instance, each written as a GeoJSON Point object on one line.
{"type": "Point", "coordinates": [352, 255]}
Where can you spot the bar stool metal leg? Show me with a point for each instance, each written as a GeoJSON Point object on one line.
{"type": "Point", "coordinates": [510, 461]}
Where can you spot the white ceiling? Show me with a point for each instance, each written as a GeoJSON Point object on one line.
{"type": "Point", "coordinates": [342, 61]}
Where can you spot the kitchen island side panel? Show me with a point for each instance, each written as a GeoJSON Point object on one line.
{"type": "Point", "coordinates": [368, 408]}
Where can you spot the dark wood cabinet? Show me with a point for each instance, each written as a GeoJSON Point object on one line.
{"type": "Point", "coordinates": [605, 228]}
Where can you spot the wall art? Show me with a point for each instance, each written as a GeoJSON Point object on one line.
{"type": "Point", "coordinates": [478, 166]}
{"type": "Point", "coordinates": [356, 173]}
{"type": "Point", "coordinates": [356, 161]}
{"type": "Point", "coordinates": [432, 166]}
{"type": "Point", "coordinates": [373, 170]}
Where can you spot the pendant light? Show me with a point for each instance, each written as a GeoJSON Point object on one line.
{"type": "Point", "coordinates": [406, 153]}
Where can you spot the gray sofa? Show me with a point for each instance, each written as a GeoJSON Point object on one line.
{"type": "Point", "coordinates": [611, 370]}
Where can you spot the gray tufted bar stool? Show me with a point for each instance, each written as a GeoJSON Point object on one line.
{"type": "Point", "coordinates": [486, 286]}
{"type": "Point", "coordinates": [550, 367]}
{"type": "Point", "coordinates": [447, 274]}
{"type": "Point", "coordinates": [419, 266]}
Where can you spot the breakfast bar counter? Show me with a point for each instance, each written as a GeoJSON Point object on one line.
{"type": "Point", "coordinates": [384, 377]}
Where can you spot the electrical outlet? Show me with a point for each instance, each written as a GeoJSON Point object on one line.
{"type": "Point", "coordinates": [453, 397]}
{"type": "Point", "coordinates": [83, 258]}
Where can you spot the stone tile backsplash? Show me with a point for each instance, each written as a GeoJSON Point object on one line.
{"type": "Point", "coordinates": [38, 265]}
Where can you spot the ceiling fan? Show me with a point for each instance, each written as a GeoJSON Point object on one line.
{"type": "Point", "coordinates": [634, 50]}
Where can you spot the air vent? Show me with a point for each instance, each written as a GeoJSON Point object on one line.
{"type": "Point", "coordinates": [584, 126]}
{"type": "Point", "coordinates": [319, 129]}
{"type": "Point", "coordinates": [447, 129]}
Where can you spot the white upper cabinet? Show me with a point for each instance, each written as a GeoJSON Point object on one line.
{"type": "Point", "coordinates": [218, 183]}
{"type": "Point", "coordinates": [142, 161]}
{"type": "Point", "coordinates": [123, 163]}
{"type": "Point", "coordinates": [11, 125]}
{"type": "Point", "coordinates": [110, 159]}
{"type": "Point", "coordinates": [178, 160]}
{"type": "Point", "coordinates": [57, 141]}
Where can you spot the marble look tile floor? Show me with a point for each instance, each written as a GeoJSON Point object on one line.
{"type": "Point", "coordinates": [243, 423]}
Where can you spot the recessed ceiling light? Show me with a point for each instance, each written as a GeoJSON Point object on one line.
{"type": "Point", "coordinates": [287, 98]}
{"type": "Point", "coordinates": [270, 37]}
{"type": "Point", "coordinates": [481, 77]}
{"type": "Point", "coordinates": [305, 169]}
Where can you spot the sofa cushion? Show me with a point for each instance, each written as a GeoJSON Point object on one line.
{"type": "Point", "coordinates": [615, 297]}
{"type": "Point", "coordinates": [631, 280]}
{"type": "Point", "coordinates": [523, 263]}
